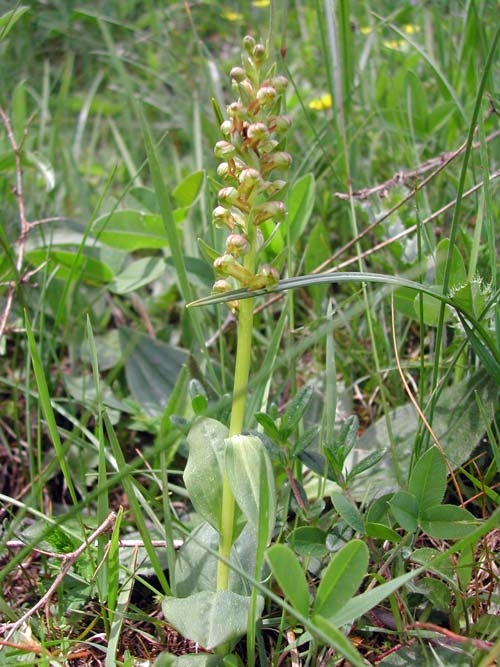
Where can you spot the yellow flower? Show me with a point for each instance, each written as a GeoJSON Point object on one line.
{"type": "Point", "coordinates": [321, 103]}
{"type": "Point", "coordinates": [396, 44]}
{"type": "Point", "coordinates": [365, 30]}
{"type": "Point", "coordinates": [232, 16]}
{"type": "Point", "coordinates": [261, 3]}
{"type": "Point", "coordinates": [411, 29]}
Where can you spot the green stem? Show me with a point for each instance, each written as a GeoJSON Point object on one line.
{"type": "Point", "coordinates": [242, 371]}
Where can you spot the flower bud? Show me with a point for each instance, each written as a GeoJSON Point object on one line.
{"type": "Point", "coordinates": [227, 265]}
{"type": "Point", "coordinates": [278, 160]}
{"type": "Point", "coordinates": [257, 132]}
{"type": "Point", "coordinates": [267, 96]}
{"type": "Point", "coordinates": [238, 74]}
{"type": "Point", "coordinates": [221, 287]}
{"type": "Point", "coordinates": [246, 91]}
{"type": "Point", "coordinates": [279, 124]}
{"type": "Point", "coordinates": [228, 196]}
{"type": "Point", "coordinates": [221, 217]}
{"type": "Point", "coordinates": [224, 150]}
{"type": "Point", "coordinates": [279, 83]}
{"type": "Point", "coordinates": [269, 209]}
{"type": "Point", "coordinates": [259, 53]}
{"type": "Point", "coordinates": [273, 187]}
{"type": "Point", "coordinates": [267, 146]}
{"type": "Point", "coordinates": [248, 179]}
{"type": "Point", "coordinates": [237, 245]}
{"type": "Point", "coordinates": [236, 110]}
{"type": "Point", "coordinates": [266, 276]}
{"type": "Point", "coordinates": [226, 127]}
{"type": "Point", "coordinates": [248, 43]}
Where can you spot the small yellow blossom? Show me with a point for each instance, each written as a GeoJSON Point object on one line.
{"type": "Point", "coordinates": [396, 44]}
{"type": "Point", "coordinates": [232, 16]}
{"type": "Point", "coordinates": [321, 103]}
{"type": "Point", "coordinates": [365, 30]}
{"type": "Point", "coordinates": [411, 29]}
{"type": "Point", "coordinates": [261, 3]}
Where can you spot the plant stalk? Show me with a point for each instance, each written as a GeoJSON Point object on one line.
{"type": "Point", "coordinates": [241, 374]}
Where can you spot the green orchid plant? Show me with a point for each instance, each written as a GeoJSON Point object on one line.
{"type": "Point", "coordinates": [228, 475]}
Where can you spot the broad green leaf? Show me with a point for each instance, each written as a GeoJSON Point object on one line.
{"type": "Point", "coordinates": [308, 541]}
{"type": "Point", "coordinates": [428, 479]}
{"type": "Point", "coordinates": [137, 274]}
{"type": "Point", "coordinates": [341, 578]}
{"type": "Point", "coordinates": [151, 369]}
{"type": "Point", "coordinates": [9, 19]}
{"type": "Point", "coordinates": [203, 474]}
{"type": "Point", "coordinates": [349, 512]}
{"type": "Point", "coordinates": [419, 654]}
{"type": "Point", "coordinates": [471, 296]}
{"type": "Point", "coordinates": [145, 197]}
{"type": "Point", "coordinates": [300, 206]}
{"type": "Point", "coordinates": [251, 478]}
{"type": "Point", "coordinates": [210, 618]}
{"type": "Point", "coordinates": [290, 576]}
{"type": "Point", "coordinates": [188, 660]}
{"type": "Point", "coordinates": [130, 230]}
{"type": "Point", "coordinates": [337, 639]}
{"type": "Point", "coordinates": [404, 507]}
{"type": "Point", "coordinates": [457, 271]}
{"type": "Point", "coordinates": [196, 561]}
{"type": "Point", "coordinates": [79, 263]}
{"type": "Point", "coordinates": [431, 308]}
{"type": "Point", "coordinates": [186, 193]}
{"type": "Point", "coordinates": [380, 531]}
{"type": "Point", "coordinates": [448, 522]}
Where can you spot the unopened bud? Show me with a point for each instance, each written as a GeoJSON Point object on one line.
{"type": "Point", "coordinates": [279, 83]}
{"type": "Point", "coordinates": [221, 287]}
{"type": "Point", "coordinates": [237, 245]}
{"type": "Point", "coordinates": [228, 196]}
{"type": "Point", "coordinates": [236, 110]}
{"type": "Point", "coordinates": [279, 124]}
{"type": "Point", "coordinates": [278, 160]}
{"type": "Point", "coordinates": [248, 43]}
{"type": "Point", "coordinates": [259, 53]}
{"type": "Point", "coordinates": [237, 74]}
{"type": "Point", "coordinates": [246, 91]}
{"type": "Point", "coordinates": [257, 132]}
{"type": "Point", "coordinates": [227, 265]}
{"type": "Point", "coordinates": [267, 277]}
{"type": "Point", "coordinates": [267, 95]}
{"type": "Point", "coordinates": [273, 187]}
{"type": "Point", "coordinates": [224, 150]}
{"type": "Point", "coordinates": [225, 128]}
{"type": "Point", "coordinates": [248, 179]}
{"type": "Point", "coordinates": [269, 209]}
{"type": "Point", "coordinates": [222, 217]}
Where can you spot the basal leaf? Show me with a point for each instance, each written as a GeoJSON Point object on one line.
{"type": "Point", "coordinates": [210, 618]}
{"type": "Point", "coordinates": [290, 576]}
{"type": "Point", "coordinates": [341, 578]}
{"type": "Point", "coordinates": [203, 474]}
{"type": "Point", "coordinates": [151, 368]}
{"type": "Point", "coordinates": [251, 478]}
